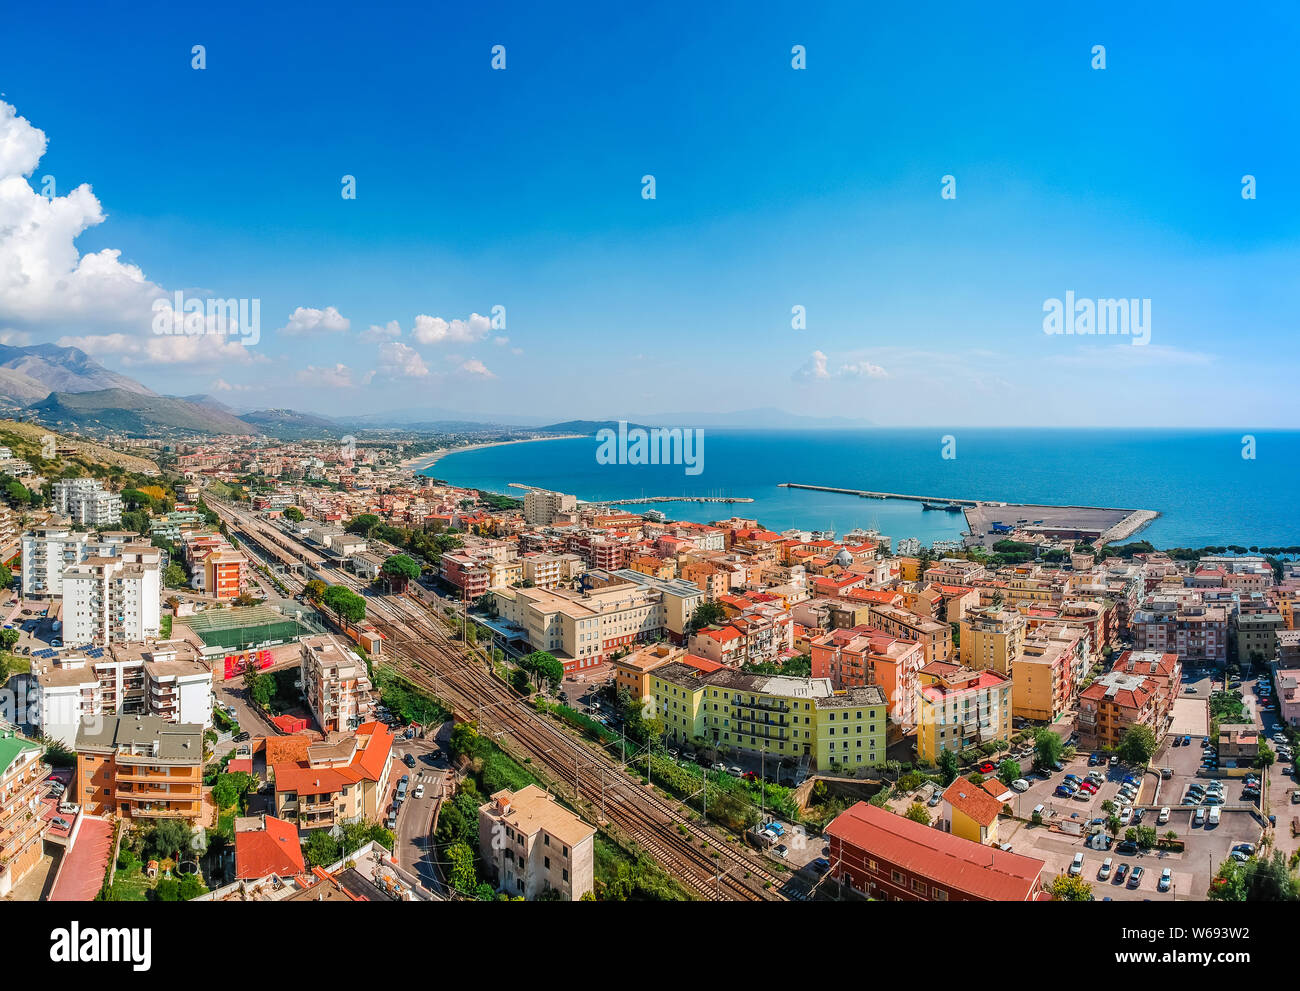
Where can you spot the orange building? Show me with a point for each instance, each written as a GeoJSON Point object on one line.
{"type": "Point", "coordinates": [863, 656]}
{"type": "Point", "coordinates": [140, 767]}
{"type": "Point", "coordinates": [22, 786]}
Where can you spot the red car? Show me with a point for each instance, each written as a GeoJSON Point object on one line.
{"type": "Point", "coordinates": [987, 767]}
{"type": "Point", "coordinates": [1089, 787]}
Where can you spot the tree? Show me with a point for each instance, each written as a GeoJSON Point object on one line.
{"type": "Point", "coordinates": [544, 668]}
{"type": "Point", "coordinates": [8, 638]}
{"type": "Point", "coordinates": [918, 813]}
{"type": "Point", "coordinates": [398, 570]}
{"type": "Point", "coordinates": [175, 576]}
{"type": "Point", "coordinates": [168, 839]}
{"type": "Point", "coordinates": [1008, 771]}
{"type": "Point", "coordinates": [294, 514]}
{"type": "Point", "coordinates": [463, 876]}
{"type": "Point", "coordinates": [315, 590]}
{"type": "Point", "coordinates": [948, 766]}
{"type": "Point", "coordinates": [347, 605]}
{"type": "Point", "coordinates": [1047, 748]}
{"type": "Point", "coordinates": [363, 524]}
{"type": "Point", "coordinates": [707, 613]}
{"type": "Point", "coordinates": [1137, 746]}
{"type": "Point", "coordinates": [1256, 880]}
{"type": "Point", "coordinates": [1265, 757]}
{"type": "Point", "coordinates": [1068, 888]}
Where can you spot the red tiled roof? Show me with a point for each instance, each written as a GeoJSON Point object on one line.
{"type": "Point", "coordinates": [702, 664]}
{"type": "Point", "coordinates": [973, 800]}
{"type": "Point", "coordinates": [977, 870]}
{"type": "Point", "coordinates": [273, 850]}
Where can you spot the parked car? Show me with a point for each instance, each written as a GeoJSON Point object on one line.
{"type": "Point", "coordinates": [1103, 872]}
{"type": "Point", "coordinates": [1166, 879]}
{"type": "Point", "coordinates": [242, 738]}
{"type": "Point", "coordinates": [1187, 740]}
{"type": "Point", "coordinates": [781, 850]}
{"type": "Point", "coordinates": [717, 766]}
{"type": "Point", "coordinates": [69, 808]}
{"type": "Point", "coordinates": [988, 767]}
{"type": "Point", "coordinates": [1076, 866]}
{"type": "Point", "coordinates": [409, 760]}
{"type": "Point", "coordinates": [1126, 816]}
{"type": "Point", "coordinates": [1062, 791]}
{"type": "Point", "coordinates": [735, 772]}
{"type": "Point", "coordinates": [1215, 815]}
{"type": "Point", "coordinates": [1163, 817]}
{"type": "Point", "coordinates": [1127, 847]}
{"type": "Point", "coordinates": [1199, 818]}
{"type": "Point", "coordinates": [1135, 876]}
{"type": "Point", "coordinates": [1020, 784]}
{"type": "Point", "coordinates": [1121, 872]}
{"type": "Point", "coordinates": [60, 823]}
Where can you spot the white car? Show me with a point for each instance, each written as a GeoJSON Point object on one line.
{"type": "Point", "coordinates": [1126, 816]}
{"type": "Point", "coordinates": [1020, 784]}
{"type": "Point", "coordinates": [1163, 817]}
{"type": "Point", "coordinates": [1076, 865]}
{"type": "Point", "coordinates": [419, 791]}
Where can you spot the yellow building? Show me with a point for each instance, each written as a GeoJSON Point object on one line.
{"type": "Point", "coordinates": [655, 567]}
{"type": "Point", "coordinates": [909, 569]}
{"type": "Point", "coordinates": [632, 672]}
{"type": "Point", "coordinates": [991, 638]}
{"type": "Point", "coordinates": [957, 708]}
{"type": "Point", "coordinates": [782, 717]}
{"type": "Point", "coordinates": [972, 812]}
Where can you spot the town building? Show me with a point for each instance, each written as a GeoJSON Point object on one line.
{"type": "Point", "coordinates": [342, 779]}
{"type": "Point", "coordinates": [22, 826]}
{"type": "Point", "coordinates": [335, 683]}
{"type": "Point", "coordinates": [113, 599]}
{"type": "Point", "coordinates": [862, 656]}
{"type": "Point", "coordinates": [85, 503]}
{"type": "Point", "coordinates": [971, 812]}
{"type": "Point", "coordinates": [888, 857]}
{"type": "Point", "coordinates": [140, 767]}
{"type": "Point", "coordinates": [534, 846]}
{"type": "Point", "coordinates": [1113, 704]}
{"type": "Point", "coordinates": [958, 707]}
{"type": "Point", "coordinates": [541, 507]}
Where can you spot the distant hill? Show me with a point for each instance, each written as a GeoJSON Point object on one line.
{"type": "Point", "coordinates": [585, 427]}
{"type": "Point", "coordinates": [291, 423]}
{"type": "Point", "coordinates": [31, 373]}
{"type": "Point", "coordinates": [133, 413]}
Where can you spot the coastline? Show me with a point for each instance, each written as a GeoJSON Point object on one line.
{"type": "Point", "coordinates": [425, 461]}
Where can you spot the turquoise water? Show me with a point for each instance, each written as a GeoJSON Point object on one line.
{"type": "Point", "coordinates": [1205, 491]}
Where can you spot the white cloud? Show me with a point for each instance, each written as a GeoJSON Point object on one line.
{"type": "Point", "coordinates": [338, 377]}
{"type": "Point", "coordinates": [305, 319]}
{"type": "Point", "coordinates": [221, 385]}
{"type": "Point", "coordinates": [476, 368]}
{"type": "Point", "coordinates": [435, 330]}
{"type": "Point", "coordinates": [398, 360]}
{"type": "Point", "coordinates": [863, 369]}
{"type": "Point", "coordinates": [15, 338]}
{"type": "Point", "coordinates": [814, 368]}
{"type": "Point", "coordinates": [166, 349]}
{"type": "Point", "coordinates": [390, 331]}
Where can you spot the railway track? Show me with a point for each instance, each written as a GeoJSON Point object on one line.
{"type": "Point", "coordinates": [707, 865]}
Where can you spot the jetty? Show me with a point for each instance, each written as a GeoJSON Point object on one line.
{"type": "Point", "coordinates": [867, 494]}
{"type": "Point", "coordinates": [643, 500]}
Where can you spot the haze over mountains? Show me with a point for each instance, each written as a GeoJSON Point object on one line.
{"type": "Point", "coordinates": [64, 387]}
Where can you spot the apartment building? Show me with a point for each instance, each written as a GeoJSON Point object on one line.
{"type": "Point", "coordinates": [1256, 634]}
{"type": "Point", "coordinates": [113, 599]}
{"type": "Point", "coordinates": [343, 779]}
{"type": "Point", "coordinates": [166, 680]}
{"type": "Point", "coordinates": [991, 638]}
{"type": "Point", "coordinates": [958, 707]}
{"type": "Point", "coordinates": [935, 637]}
{"type": "Point", "coordinates": [534, 846]}
{"type": "Point", "coordinates": [550, 570]}
{"type": "Point", "coordinates": [335, 683]}
{"type": "Point", "coordinates": [1047, 671]}
{"type": "Point", "coordinates": [887, 857]}
{"type": "Point", "coordinates": [863, 656]}
{"type": "Point", "coordinates": [713, 580]}
{"type": "Point", "coordinates": [22, 828]}
{"type": "Point", "coordinates": [47, 551]}
{"type": "Point", "coordinates": [614, 610]}
{"type": "Point", "coordinates": [1113, 704]}
{"type": "Point", "coordinates": [216, 568]}
{"type": "Point", "coordinates": [801, 719]}
{"type": "Point", "coordinates": [1183, 625]}
{"type": "Point", "coordinates": [140, 767]}
{"type": "Point", "coordinates": [541, 507]}
{"type": "Point", "coordinates": [85, 503]}
{"type": "Point", "coordinates": [632, 671]}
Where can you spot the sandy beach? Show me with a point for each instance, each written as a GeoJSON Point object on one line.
{"type": "Point", "coordinates": [422, 462]}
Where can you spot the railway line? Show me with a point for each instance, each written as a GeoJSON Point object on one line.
{"type": "Point", "coordinates": [698, 858]}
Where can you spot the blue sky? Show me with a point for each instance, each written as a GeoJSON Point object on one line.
{"type": "Point", "coordinates": [775, 188]}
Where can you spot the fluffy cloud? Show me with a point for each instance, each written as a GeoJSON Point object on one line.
{"type": "Point", "coordinates": [221, 385]}
{"type": "Point", "coordinates": [305, 320]}
{"type": "Point", "coordinates": [435, 330]}
{"type": "Point", "coordinates": [814, 368]}
{"type": "Point", "coordinates": [817, 368]}
{"type": "Point", "coordinates": [476, 368]}
{"type": "Point", "coordinates": [398, 360]}
{"type": "Point", "coordinates": [389, 332]}
{"type": "Point", "coordinates": [863, 369]}
{"type": "Point", "coordinates": [166, 349]}
{"type": "Point", "coordinates": [338, 377]}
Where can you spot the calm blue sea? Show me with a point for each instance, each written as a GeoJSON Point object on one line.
{"type": "Point", "coordinates": [1205, 491]}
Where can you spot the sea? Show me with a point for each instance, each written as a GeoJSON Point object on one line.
{"type": "Point", "coordinates": [1209, 487]}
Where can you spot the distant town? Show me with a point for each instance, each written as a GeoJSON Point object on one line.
{"type": "Point", "coordinates": [255, 669]}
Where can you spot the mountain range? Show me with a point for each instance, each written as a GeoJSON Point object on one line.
{"type": "Point", "coordinates": [64, 387]}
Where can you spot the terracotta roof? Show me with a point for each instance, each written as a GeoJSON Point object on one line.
{"type": "Point", "coordinates": [973, 801]}
{"type": "Point", "coordinates": [273, 849]}
{"type": "Point", "coordinates": [980, 871]}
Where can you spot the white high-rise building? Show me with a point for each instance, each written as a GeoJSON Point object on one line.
{"type": "Point", "coordinates": [84, 501]}
{"type": "Point", "coordinates": [168, 680]}
{"type": "Point", "coordinates": [542, 506]}
{"type": "Point", "coordinates": [47, 551]}
{"type": "Point", "coordinates": [113, 599]}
